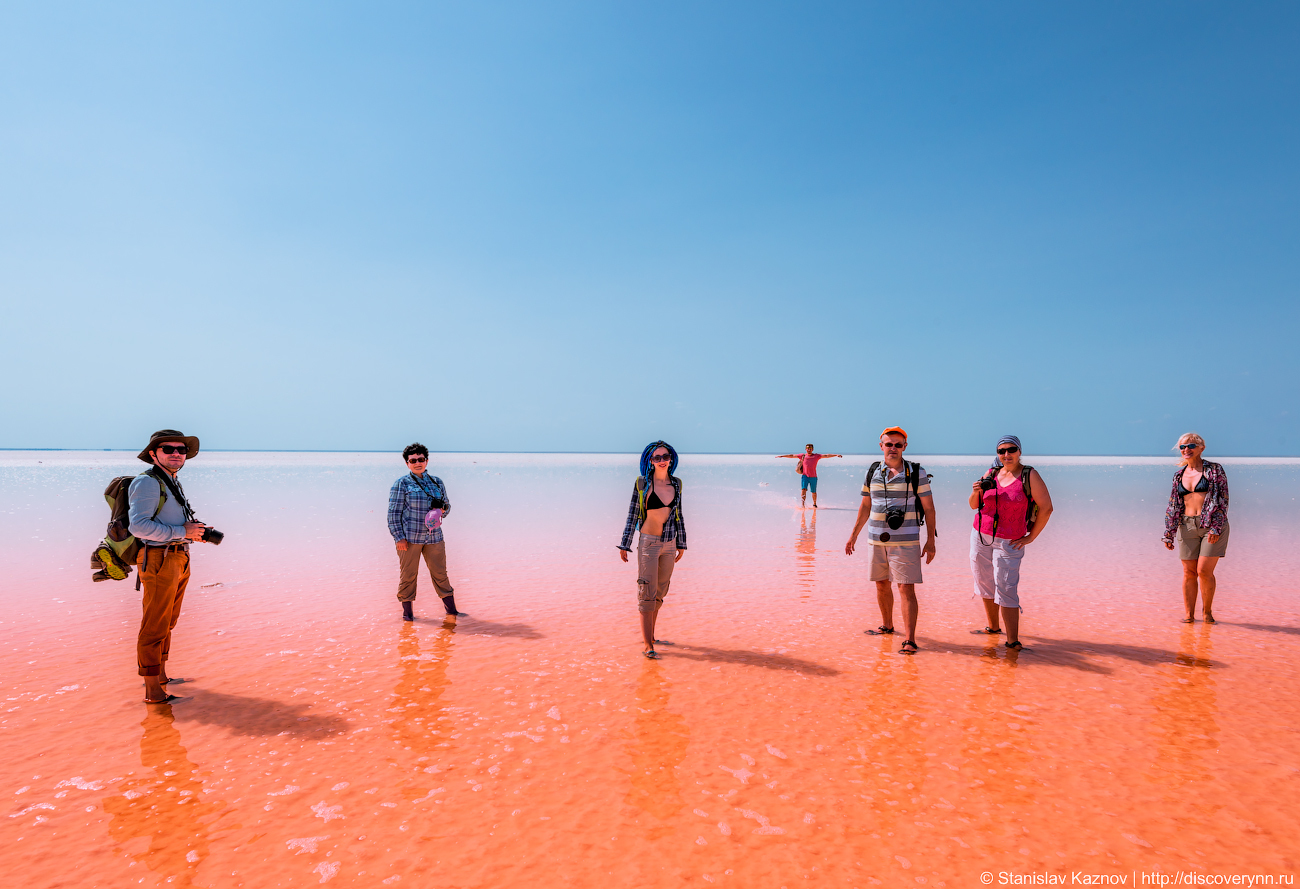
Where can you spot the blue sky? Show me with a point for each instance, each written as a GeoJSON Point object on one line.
{"type": "Point", "coordinates": [583, 226]}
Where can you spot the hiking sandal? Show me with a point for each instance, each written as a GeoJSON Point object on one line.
{"type": "Point", "coordinates": [909, 647]}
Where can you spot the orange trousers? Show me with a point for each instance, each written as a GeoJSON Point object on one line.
{"type": "Point", "coordinates": [163, 575]}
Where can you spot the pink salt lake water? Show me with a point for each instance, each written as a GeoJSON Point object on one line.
{"type": "Point", "coordinates": [774, 745]}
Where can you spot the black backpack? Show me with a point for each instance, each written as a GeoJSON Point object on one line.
{"type": "Point", "coordinates": [913, 479]}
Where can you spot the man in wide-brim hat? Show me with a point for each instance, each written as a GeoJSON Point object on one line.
{"type": "Point", "coordinates": [170, 436]}
{"type": "Point", "coordinates": [161, 519]}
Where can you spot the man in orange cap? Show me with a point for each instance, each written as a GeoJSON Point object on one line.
{"type": "Point", "coordinates": [896, 501]}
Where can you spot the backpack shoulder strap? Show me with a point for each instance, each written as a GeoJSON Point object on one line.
{"type": "Point", "coordinates": [1025, 473]}
{"type": "Point", "coordinates": [871, 472]}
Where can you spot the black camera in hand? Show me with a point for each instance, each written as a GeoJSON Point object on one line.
{"type": "Point", "coordinates": [212, 535]}
{"type": "Point", "coordinates": [987, 483]}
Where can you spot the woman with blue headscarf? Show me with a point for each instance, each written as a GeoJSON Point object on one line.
{"type": "Point", "coordinates": [656, 510]}
{"type": "Point", "coordinates": [1014, 507]}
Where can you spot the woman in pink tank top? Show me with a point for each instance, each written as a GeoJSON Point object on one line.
{"type": "Point", "coordinates": [1005, 523]}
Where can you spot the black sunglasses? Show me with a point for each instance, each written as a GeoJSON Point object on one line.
{"type": "Point", "coordinates": [1011, 450]}
{"type": "Point", "coordinates": [417, 459]}
{"type": "Point", "coordinates": [1188, 447]}
{"type": "Point", "coordinates": [174, 449]}
{"type": "Point", "coordinates": [891, 444]}
{"type": "Point", "coordinates": [661, 458]}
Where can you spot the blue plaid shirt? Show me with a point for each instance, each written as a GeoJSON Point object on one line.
{"type": "Point", "coordinates": [409, 502]}
{"type": "Point", "coordinates": [674, 527]}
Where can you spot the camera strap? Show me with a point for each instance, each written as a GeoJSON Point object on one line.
{"type": "Point", "coordinates": [174, 486]}
{"type": "Point", "coordinates": [980, 530]}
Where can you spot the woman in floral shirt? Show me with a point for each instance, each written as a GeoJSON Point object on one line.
{"type": "Point", "coordinates": [1198, 517]}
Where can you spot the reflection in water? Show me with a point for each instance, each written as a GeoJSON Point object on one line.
{"type": "Point", "coordinates": [806, 547]}
{"type": "Point", "coordinates": [997, 736]}
{"type": "Point", "coordinates": [889, 756]}
{"type": "Point", "coordinates": [1186, 708]}
{"type": "Point", "coordinates": [657, 748]}
{"type": "Point", "coordinates": [422, 727]}
{"type": "Point", "coordinates": [166, 808]}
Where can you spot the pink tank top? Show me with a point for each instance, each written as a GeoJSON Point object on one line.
{"type": "Point", "coordinates": [1011, 506]}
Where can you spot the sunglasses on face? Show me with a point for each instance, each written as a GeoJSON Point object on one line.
{"type": "Point", "coordinates": [1007, 450]}
{"type": "Point", "coordinates": [661, 458]}
{"type": "Point", "coordinates": [174, 449]}
{"type": "Point", "coordinates": [1188, 447]}
{"type": "Point", "coordinates": [417, 460]}
{"type": "Point", "coordinates": [892, 444]}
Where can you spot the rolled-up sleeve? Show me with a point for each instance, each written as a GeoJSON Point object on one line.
{"type": "Point", "coordinates": [143, 497]}
{"type": "Point", "coordinates": [396, 503]}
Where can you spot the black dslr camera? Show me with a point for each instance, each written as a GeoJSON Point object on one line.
{"type": "Point", "coordinates": [212, 535]}
{"type": "Point", "coordinates": [987, 483]}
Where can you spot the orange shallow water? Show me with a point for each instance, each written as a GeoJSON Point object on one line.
{"type": "Point", "coordinates": [774, 745]}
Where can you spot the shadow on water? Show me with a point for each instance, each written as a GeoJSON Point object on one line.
{"type": "Point", "coordinates": [470, 626]}
{"type": "Point", "coordinates": [257, 716]}
{"type": "Point", "coordinates": [1263, 628]}
{"type": "Point", "coordinates": [748, 659]}
{"type": "Point", "coordinates": [1076, 654]}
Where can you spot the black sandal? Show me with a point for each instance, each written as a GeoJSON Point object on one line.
{"type": "Point", "coordinates": [880, 631]}
{"type": "Point", "coordinates": [1015, 646]}
{"type": "Point", "coordinates": [987, 631]}
{"type": "Point", "coordinates": [909, 647]}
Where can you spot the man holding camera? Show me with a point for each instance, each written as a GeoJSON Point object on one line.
{"type": "Point", "coordinates": [896, 501]}
{"type": "Point", "coordinates": [165, 533]}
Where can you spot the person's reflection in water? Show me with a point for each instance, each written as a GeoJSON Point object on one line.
{"type": "Point", "coordinates": [168, 807]}
{"type": "Point", "coordinates": [806, 547]}
{"type": "Point", "coordinates": [888, 751]}
{"type": "Point", "coordinates": [1185, 714]}
{"type": "Point", "coordinates": [657, 747]}
{"type": "Point", "coordinates": [420, 729]}
{"type": "Point", "coordinates": [997, 737]}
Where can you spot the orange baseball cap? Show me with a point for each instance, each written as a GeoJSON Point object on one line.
{"type": "Point", "coordinates": [897, 430]}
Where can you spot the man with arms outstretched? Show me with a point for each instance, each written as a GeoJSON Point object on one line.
{"type": "Point", "coordinates": [808, 473]}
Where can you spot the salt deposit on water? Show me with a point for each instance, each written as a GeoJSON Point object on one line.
{"type": "Point", "coordinates": [323, 740]}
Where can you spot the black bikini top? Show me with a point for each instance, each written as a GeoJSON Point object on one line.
{"type": "Point", "coordinates": [653, 501]}
{"type": "Point", "coordinates": [1201, 487]}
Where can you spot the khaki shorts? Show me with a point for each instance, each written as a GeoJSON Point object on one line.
{"type": "Point", "coordinates": [1194, 541]}
{"type": "Point", "coordinates": [901, 564]}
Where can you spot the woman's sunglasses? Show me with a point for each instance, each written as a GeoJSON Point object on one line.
{"type": "Point", "coordinates": [417, 459]}
{"type": "Point", "coordinates": [661, 458]}
{"type": "Point", "coordinates": [1188, 447]}
{"type": "Point", "coordinates": [174, 449]}
{"type": "Point", "coordinates": [1002, 451]}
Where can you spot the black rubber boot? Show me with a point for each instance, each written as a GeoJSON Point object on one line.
{"type": "Point", "coordinates": [449, 602]}
{"type": "Point", "coordinates": [407, 612]}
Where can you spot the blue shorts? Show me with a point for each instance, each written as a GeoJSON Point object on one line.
{"type": "Point", "coordinates": [808, 483]}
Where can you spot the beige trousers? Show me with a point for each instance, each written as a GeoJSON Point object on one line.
{"type": "Point", "coordinates": [435, 556]}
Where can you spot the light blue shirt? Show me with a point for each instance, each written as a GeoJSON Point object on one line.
{"type": "Point", "coordinates": [168, 525]}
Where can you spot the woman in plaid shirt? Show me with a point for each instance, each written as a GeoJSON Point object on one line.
{"type": "Point", "coordinates": [656, 509]}
{"type": "Point", "coordinates": [417, 504]}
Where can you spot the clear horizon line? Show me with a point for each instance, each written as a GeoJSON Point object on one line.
{"type": "Point", "coordinates": [602, 453]}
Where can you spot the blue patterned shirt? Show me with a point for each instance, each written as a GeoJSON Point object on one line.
{"type": "Point", "coordinates": [409, 502]}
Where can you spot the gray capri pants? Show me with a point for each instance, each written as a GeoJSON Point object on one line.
{"type": "Point", "coordinates": [996, 568]}
{"type": "Point", "coordinates": [654, 571]}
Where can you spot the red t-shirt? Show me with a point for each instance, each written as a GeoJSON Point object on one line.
{"type": "Point", "coordinates": [808, 464]}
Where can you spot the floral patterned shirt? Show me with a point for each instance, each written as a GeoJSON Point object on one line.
{"type": "Point", "coordinates": [1214, 512]}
